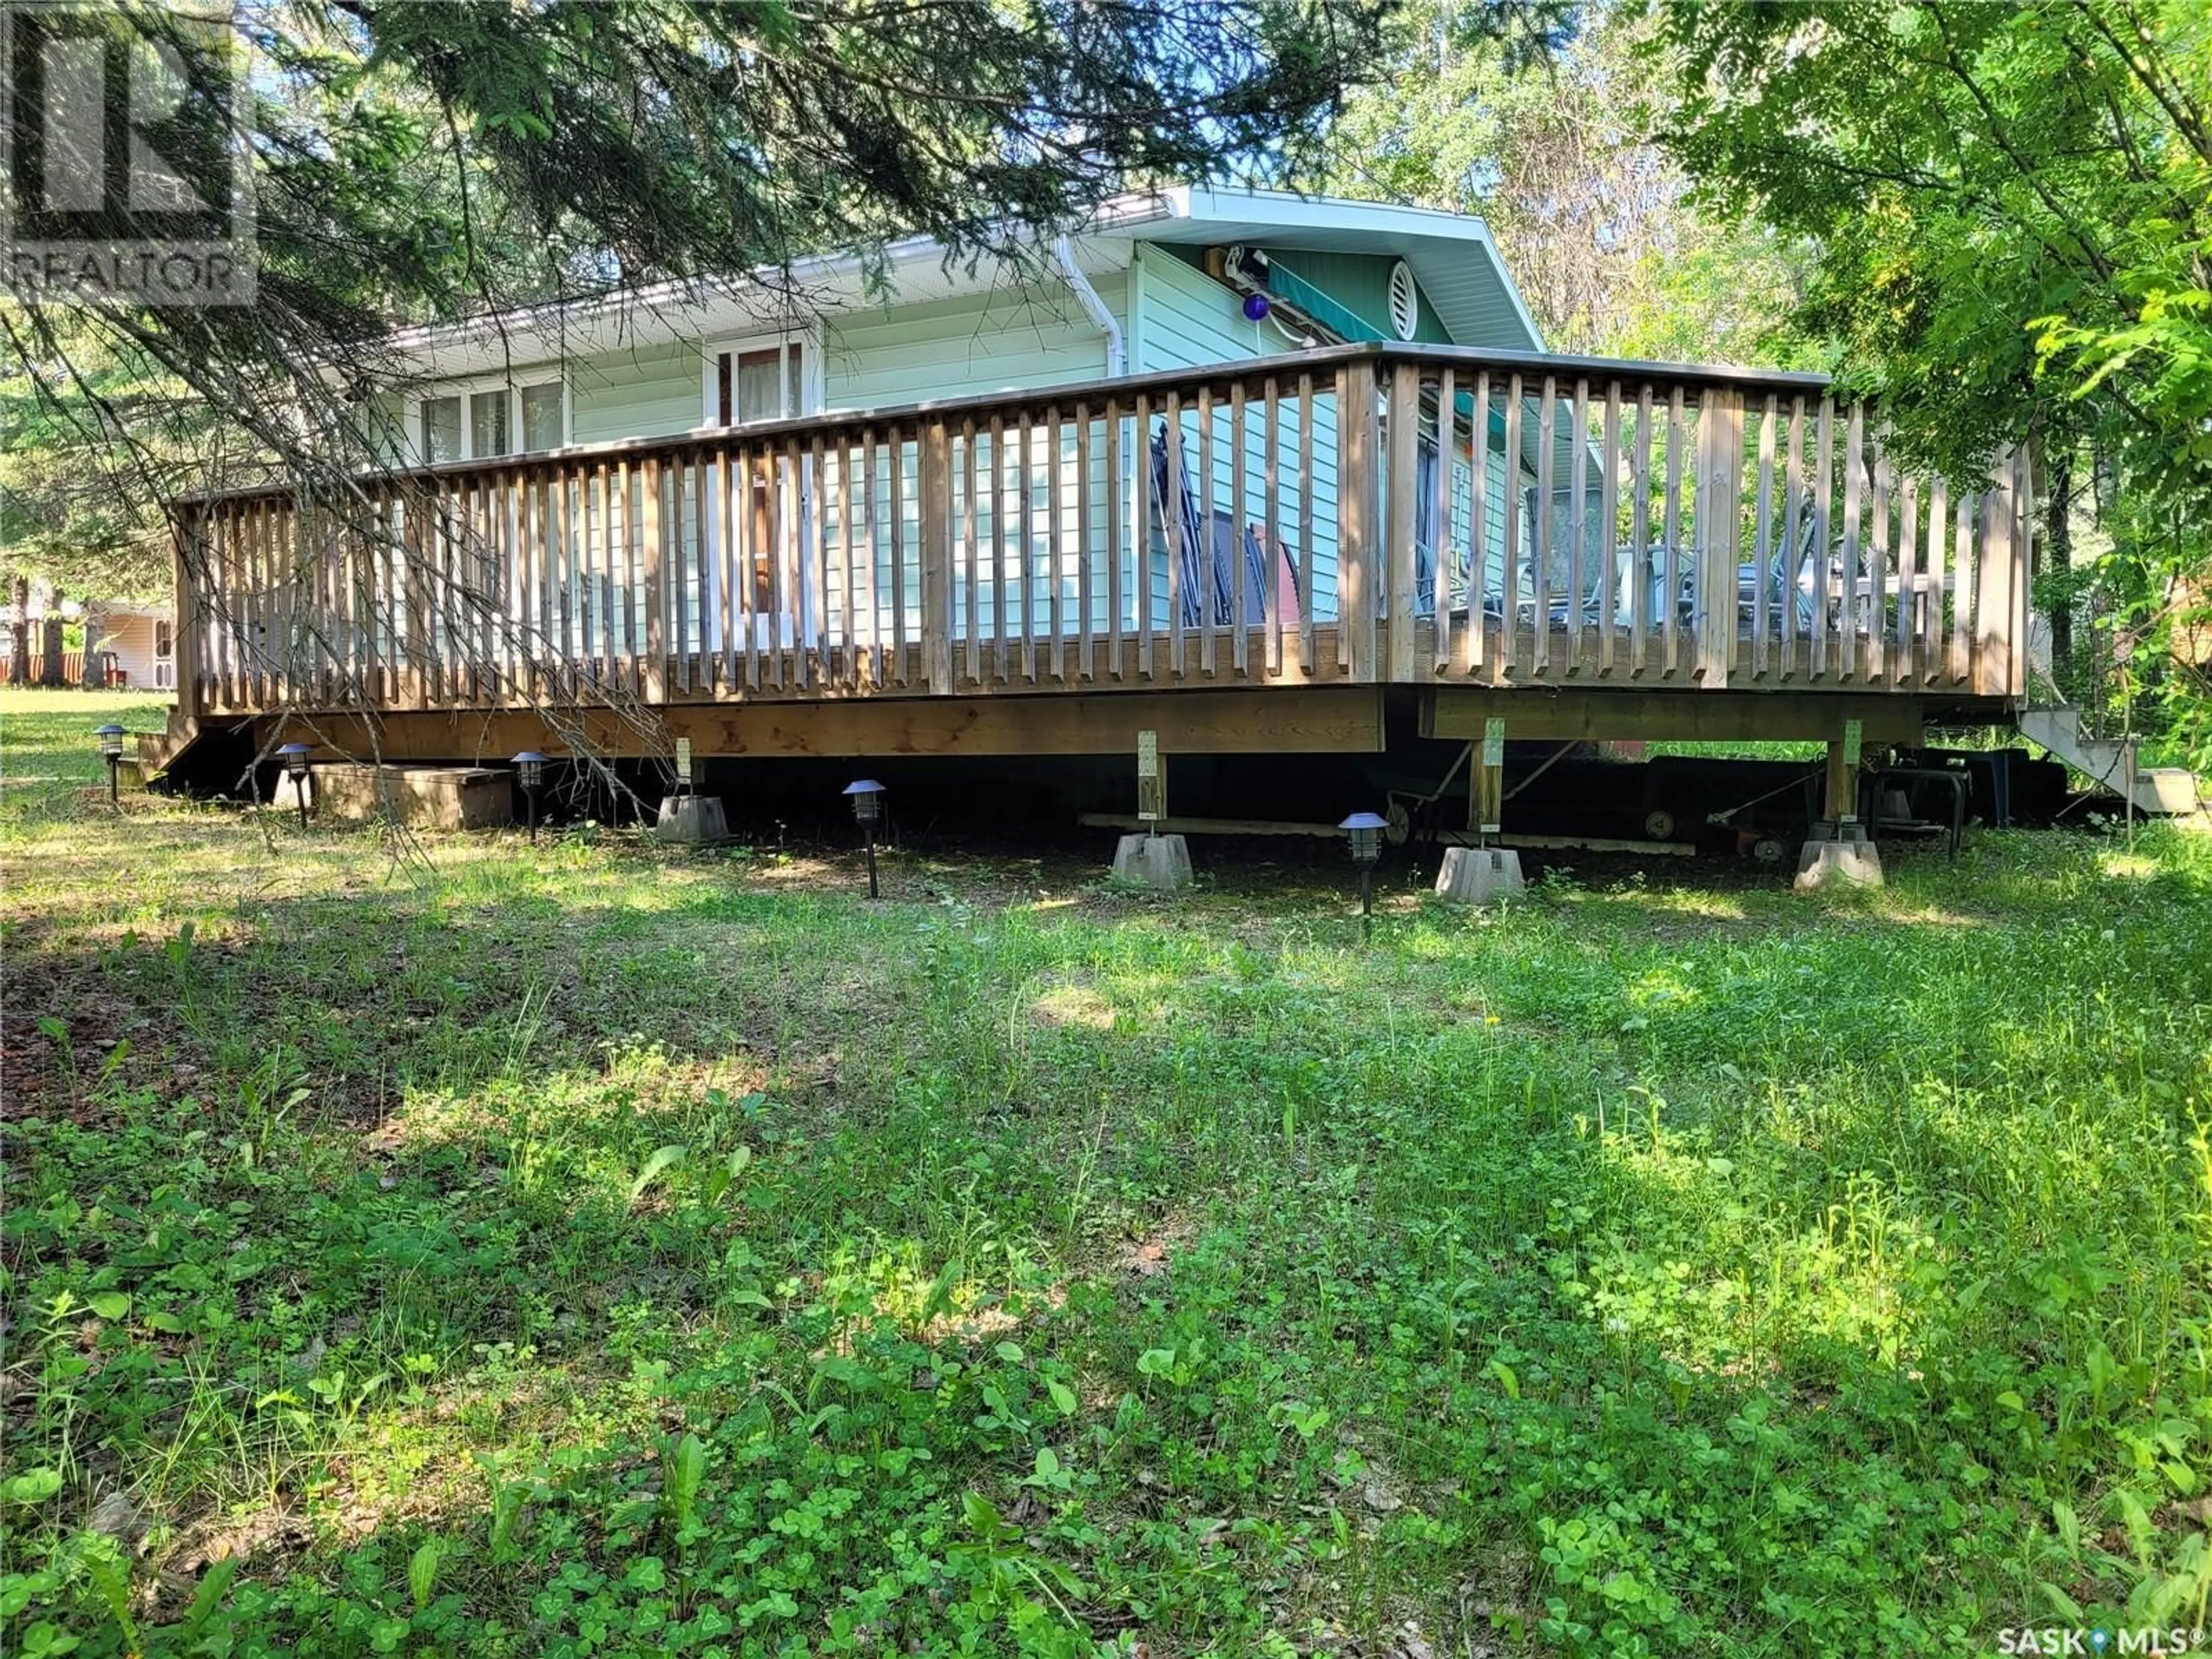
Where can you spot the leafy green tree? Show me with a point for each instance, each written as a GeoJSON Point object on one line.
{"type": "Point", "coordinates": [1540, 128]}
{"type": "Point", "coordinates": [79, 506]}
{"type": "Point", "coordinates": [2012, 206]}
{"type": "Point", "coordinates": [413, 163]}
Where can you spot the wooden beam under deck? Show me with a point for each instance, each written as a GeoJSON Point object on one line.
{"type": "Point", "coordinates": [1347, 719]}
{"type": "Point", "coordinates": [1577, 713]}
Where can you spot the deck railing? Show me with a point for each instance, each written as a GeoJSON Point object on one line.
{"type": "Point", "coordinates": [1413, 514]}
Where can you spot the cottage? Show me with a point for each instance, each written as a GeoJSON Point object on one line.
{"type": "Point", "coordinates": [132, 644]}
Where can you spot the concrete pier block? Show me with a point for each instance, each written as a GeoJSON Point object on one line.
{"type": "Point", "coordinates": [1479, 875]}
{"type": "Point", "coordinates": [691, 821]}
{"type": "Point", "coordinates": [1159, 862]}
{"type": "Point", "coordinates": [1838, 852]}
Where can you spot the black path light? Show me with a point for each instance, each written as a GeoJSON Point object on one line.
{"type": "Point", "coordinates": [868, 809]}
{"type": "Point", "coordinates": [111, 750]}
{"type": "Point", "coordinates": [530, 770]}
{"type": "Point", "coordinates": [1366, 830]}
{"type": "Point", "coordinates": [294, 757]}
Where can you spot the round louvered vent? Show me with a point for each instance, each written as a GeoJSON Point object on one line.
{"type": "Point", "coordinates": [1404, 300]}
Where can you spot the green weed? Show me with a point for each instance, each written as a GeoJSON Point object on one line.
{"type": "Point", "coordinates": [578, 1251]}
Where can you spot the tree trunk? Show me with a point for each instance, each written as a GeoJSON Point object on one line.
{"type": "Point", "coordinates": [2058, 558]}
{"type": "Point", "coordinates": [50, 645]}
{"type": "Point", "coordinates": [19, 661]}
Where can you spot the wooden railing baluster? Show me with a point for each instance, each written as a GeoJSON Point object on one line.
{"type": "Point", "coordinates": [896, 551]}
{"type": "Point", "coordinates": [1934, 668]}
{"type": "Point", "coordinates": [1178, 535]}
{"type": "Point", "coordinates": [1444, 552]}
{"type": "Point", "coordinates": [1054, 561]}
{"type": "Point", "coordinates": [1087, 663]}
{"type": "Point", "coordinates": [1271, 581]}
{"type": "Point", "coordinates": [1201, 557]}
{"type": "Point", "coordinates": [1909, 584]}
{"type": "Point", "coordinates": [1578, 525]}
{"type": "Point", "coordinates": [1823, 486]}
{"type": "Point", "coordinates": [1358, 521]}
{"type": "Point", "coordinates": [1399, 557]}
{"type": "Point", "coordinates": [1848, 625]}
{"type": "Point", "coordinates": [1309, 413]}
{"type": "Point", "coordinates": [1541, 531]}
{"type": "Point", "coordinates": [1509, 646]}
{"type": "Point", "coordinates": [1609, 512]}
{"type": "Point", "coordinates": [1240, 620]}
{"type": "Point", "coordinates": [1639, 552]}
{"type": "Point", "coordinates": [1763, 545]}
{"type": "Point", "coordinates": [1476, 652]}
{"type": "Point", "coordinates": [1877, 561]}
{"type": "Point", "coordinates": [1670, 536]}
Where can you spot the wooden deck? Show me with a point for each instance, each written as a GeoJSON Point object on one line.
{"type": "Point", "coordinates": [1706, 534]}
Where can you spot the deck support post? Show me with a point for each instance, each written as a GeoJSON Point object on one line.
{"type": "Point", "coordinates": [1840, 805]}
{"type": "Point", "coordinates": [1839, 849]}
{"type": "Point", "coordinates": [1150, 859]}
{"type": "Point", "coordinates": [1485, 872]}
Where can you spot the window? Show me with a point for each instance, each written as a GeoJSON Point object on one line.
{"type": "Point", "coordinates": [477, 423]}
{"type": "Point", "coordinates": [488, 423]}
{"type": "Point", "coordinates": [767, 378]}
{"type": "Point", "coordinates": [441, 429]}
{"type": "Point", "coordinates": [543, 427]}
{"type": "Point", "coordinates": [165, 638]}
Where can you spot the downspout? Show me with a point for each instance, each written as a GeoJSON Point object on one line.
{"type": "Point", "coordinates": [1063, 255]}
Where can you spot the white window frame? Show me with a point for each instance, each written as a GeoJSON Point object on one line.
{"type": "Point", "coordinates": [812, 381]}
{"type": "Point", "coordinates": [513, 380]}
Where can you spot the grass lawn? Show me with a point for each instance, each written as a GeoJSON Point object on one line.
{"type": "Point", "coordinates": [583, 1250]}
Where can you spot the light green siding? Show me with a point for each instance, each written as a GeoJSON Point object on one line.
{"type": "Point", "coordinates": [1028, 339]}
{"type": "Point", "coordinates": [1185, 320]}
{"type": "Point", "coordinates": [1009, 341]}
{"type": "Point", "coordinates": [1014, 340]}
{"type": "Point", "coordinates": [648, 391]}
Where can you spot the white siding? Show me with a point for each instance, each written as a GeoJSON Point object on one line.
{"type": "Point", "coordinates": [132, 641]}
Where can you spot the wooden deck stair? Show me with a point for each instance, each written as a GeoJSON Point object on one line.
{"type": "Point", "coordinates": [158, 750]}
{"type": "Point", "coordinates": [2166, 790]}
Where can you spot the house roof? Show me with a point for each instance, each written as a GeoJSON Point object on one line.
{"type": "Point", "coordinates": [1474, 298]}
{"type": "Point", "coordinates": [1453, 257]}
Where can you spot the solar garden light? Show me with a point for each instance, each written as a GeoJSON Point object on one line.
{"type": "Point", "coordinates": [294, 757]}
{"type": "Point", "coordinates": [530, 770]}
{"type": "Point", "coordinates": [868, 809]}
{"type": "Point", "coordinates": [1365, 830]}
{"type": "Point", "coordinates": [111, 750]}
